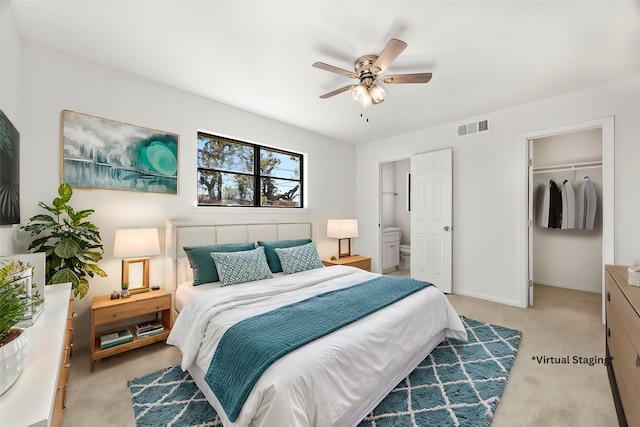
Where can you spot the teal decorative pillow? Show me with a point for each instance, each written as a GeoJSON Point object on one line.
{"type": "Point", "coordinates": [240, 267]}
{"type": "Point", "coordinates": [204, 267]}
{"type": "Point", "coordinates": [270, 251]}
{"type": "Point", "coordinates": [299, 258]}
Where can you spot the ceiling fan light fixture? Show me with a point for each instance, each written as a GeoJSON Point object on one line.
{"type": "Point", "coordinates": [367, 68]}
{"type": "Point", "coordinates": [366, 100]}
{"type": "Point", "coordinates": [359, 92]}
{"type": "Point", "coordinates": [377, 94]}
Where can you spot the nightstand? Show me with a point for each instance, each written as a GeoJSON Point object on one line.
{"type": "Point", "coordinates": [109, 315]}
{"type": "Point", "coordinates": [358, 261]}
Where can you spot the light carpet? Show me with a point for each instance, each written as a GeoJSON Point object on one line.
{"type": "Point", "coordinates": [458, 384]}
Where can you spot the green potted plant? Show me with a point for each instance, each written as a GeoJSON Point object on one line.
{"type": "Point", "coordinates": [125, 290]}
{"type": "Point", "coordinates": [14, 341]}
{"type": "Point", "coordinates": [72, 245]}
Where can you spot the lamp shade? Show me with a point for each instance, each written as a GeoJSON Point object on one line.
{"type": "Point", "coordinates": [136, 242]}
{"type": "Point", "coordinates": [342, 228]}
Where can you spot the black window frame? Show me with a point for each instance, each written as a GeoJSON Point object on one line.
{"type": "Point", "coordinates": [257, 176]}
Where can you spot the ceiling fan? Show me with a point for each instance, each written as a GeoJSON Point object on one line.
{"type": "Point", "coordinates": [367, 68]}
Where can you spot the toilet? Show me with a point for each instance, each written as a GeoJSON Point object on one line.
{"type": "Point", "coordinates": [405, 257]}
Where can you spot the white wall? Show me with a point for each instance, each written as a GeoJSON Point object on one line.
{"type": "Point", "coordinates": [568, 258]}
{"type": "Point", "coordinates": [489, 185]}
{"type": "Point", "coordinates": [10, 78]}
{"type": "Point", "coordinates": [52, 82]}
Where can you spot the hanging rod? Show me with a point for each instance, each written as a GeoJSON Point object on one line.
{"type": "Point", "coordinates": [568, 167]}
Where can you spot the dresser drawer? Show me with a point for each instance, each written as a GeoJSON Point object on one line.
{"type": "Point", "coordinates": [629, 319]}
{"type": "Point", "coordinates": [626, 367]}
{"type": "Point", "coordinates": [623, 340]}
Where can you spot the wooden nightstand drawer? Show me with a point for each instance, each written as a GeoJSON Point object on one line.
{"type": "Point", "coordinates": [357, 261]}
{"type": "Point", "coordinates": [364, 264]}
{"type": "Point", "coordinates": [131, 309]}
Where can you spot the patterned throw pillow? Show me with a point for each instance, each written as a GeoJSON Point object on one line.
{"type": "Point", "coordinates": [270, 251]}
{"type": "Point", "coordinates": [204, 267]}
{"type": "Point", "coordinates": [243, 266]}
{"type": "Point", "coordinates": [299, 258]}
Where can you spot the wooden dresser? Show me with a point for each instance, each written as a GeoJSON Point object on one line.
{"type": "Point", "coordinates": [623, 343]}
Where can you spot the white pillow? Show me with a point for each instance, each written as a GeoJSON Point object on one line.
{"type": "Point", "coordinates": [241, 266]}
{"type": "Point", "coordinates": [299, 258]}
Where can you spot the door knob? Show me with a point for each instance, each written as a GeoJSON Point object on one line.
{"type": "Point", "coordinates": [447, 228]}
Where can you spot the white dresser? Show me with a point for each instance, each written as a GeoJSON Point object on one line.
{"type": "Point", "coordinates": [37, 397]}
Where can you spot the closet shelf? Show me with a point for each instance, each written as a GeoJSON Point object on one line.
{"type": "Point", "coordinates": [568, 167]}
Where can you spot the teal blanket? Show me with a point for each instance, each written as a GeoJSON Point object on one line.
{"type": "Point", "coordinates": [249, 347]}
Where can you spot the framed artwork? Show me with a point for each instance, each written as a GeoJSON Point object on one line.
{"type": "Point", "coordinates": [9, 172]}
{"type": "Point", "coordinates": [110, 155]}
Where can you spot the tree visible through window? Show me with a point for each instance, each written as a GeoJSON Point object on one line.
{"type": "Point", "coordinates": [235, 173]}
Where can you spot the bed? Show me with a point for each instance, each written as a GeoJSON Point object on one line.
{"type": "Point", "coordinates": [335, 379]}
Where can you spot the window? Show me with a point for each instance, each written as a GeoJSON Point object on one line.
{"type": "Point", "coordinates": [235, 173]}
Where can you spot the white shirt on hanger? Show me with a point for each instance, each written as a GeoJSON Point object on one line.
{"type": "Point", "coordinates": [544, 210]}
{"type": "Point", "coordinates": [590, 202]}
{"type": "Point", "coordinates": [568, 205]}
{"type": "Point", "coordinates": [586, 201]}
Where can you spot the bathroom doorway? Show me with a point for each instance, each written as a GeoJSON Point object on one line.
{"type": "Point", "coordinates": [395, 217]}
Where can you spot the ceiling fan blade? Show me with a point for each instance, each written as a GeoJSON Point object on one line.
{"type": "Point", "coordinates": [407, 78]}
{"type": "Point", "coordinates": [337, 91]}
{"type": "Point", "coordinates": [336, 70]}
{"type": "Point", "coordinates": [388, 54]}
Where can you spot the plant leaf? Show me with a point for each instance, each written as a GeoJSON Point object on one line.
{"type": "Point", "coordinates": [81, 289]}
{"type": "Point", "coordinates": [65, 275]}
{"type": "Point", "coordinates": [97, 270]}
{"type": "Point", "coordinates": [65, 191]}
{"type": "Point", "coordinates": [67, 248]}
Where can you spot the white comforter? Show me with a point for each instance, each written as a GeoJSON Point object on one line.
{"type": "Point", "coordinates": [317, 384]}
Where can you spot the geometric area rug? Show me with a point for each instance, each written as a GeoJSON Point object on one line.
{"type": "Point", "coordinates": [458, 384]}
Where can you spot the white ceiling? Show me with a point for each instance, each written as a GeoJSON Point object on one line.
{"type": "Point", "coordinates": [256, 55]}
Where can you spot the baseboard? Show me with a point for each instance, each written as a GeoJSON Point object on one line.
{"type": "Point", "coordinates": [565, 286]}
{"type": "Point", "coordinates": [487, 298]}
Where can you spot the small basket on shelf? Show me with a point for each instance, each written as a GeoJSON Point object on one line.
{"type": "Point", "coordinates": [634, 276]}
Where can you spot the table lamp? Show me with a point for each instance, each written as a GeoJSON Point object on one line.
{"type": "Point", "coordinates": [136, 245]}
{"type": "Point", "coordinates": [342, 229]}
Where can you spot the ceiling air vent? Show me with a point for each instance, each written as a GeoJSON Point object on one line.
{"type": "Point", "coordinates": [473, 127]}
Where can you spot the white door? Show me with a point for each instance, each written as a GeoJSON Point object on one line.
{"type": "Point", "coordinates": [431, 215]}
{"type": "Point", "coordinates": [530, 219]}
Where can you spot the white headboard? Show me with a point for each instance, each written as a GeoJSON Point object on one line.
{"type": "Point", "coordinates": [181, 234]}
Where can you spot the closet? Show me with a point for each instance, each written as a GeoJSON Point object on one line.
{"type": "Point", "coordinates": [568, 250]}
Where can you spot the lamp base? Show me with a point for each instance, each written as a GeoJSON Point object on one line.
{"type": "Point", "coordinates": [348, 252]}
